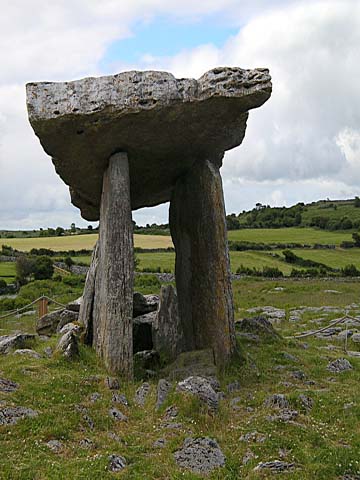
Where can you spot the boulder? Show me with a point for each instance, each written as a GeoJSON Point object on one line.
{"type": "Point", "coordinates": [202, 388]}
{"type": "Point", "coordinates": [27, 352]}
{"type": "Point", "coordinates": [68, 345]}
{"type": "Point", "coordinates": [278, 400]}
{"type": "Point", "coordinates": [54, 321]}
{"type": "Point", "coordinates": [339, 365]}
{"type": "Point", "coordinates": [17, 340]}
{"type": "Point", "coordinates": [259, 326]}
{"type": "Point", "coordinates": [197, 119]}
{"type": "Point", "coordinates": [75, 305]}
{"type": "Point", "coordinates": [7, 385]}
{"type": "Point", "coordinates": [11, 415]}
{"type": "Point", "coordinates": [141, 394]}
{"type": "Point", "coordinates": [200, 455]}
{"type": "Point", "coordinates": [143, 304]}
{"type": "Point", "coordinates": [71, 327]}
{"type": "Point", "coordinates": [116, 463]}
{"type": "Point", "coordinates": [163, 390]}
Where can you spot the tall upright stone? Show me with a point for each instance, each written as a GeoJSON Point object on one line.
{"type": "Point", "coordinates": [198, 229]}
{"type": "Point", "coordinates": [86, 313]}
{"type": "Point", "coordinates": [115, 273]}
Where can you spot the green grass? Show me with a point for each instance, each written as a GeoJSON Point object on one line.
{"type": "Point", "coordinates": [337, 258]}
{"type": "Point", "coordinates": [7, 271]}
{"type": "Point", "coordinates": [324, 444]}
{"type": "Point", "coordinates": [308, 236]}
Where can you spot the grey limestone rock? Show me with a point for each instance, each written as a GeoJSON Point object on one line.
{"type": "Point", "coordinates": [11, 415]}
{"type": "Point", "coordinates": [200, 387]}
{"type": "Point", "coordinates": [120, 398]}
{"type": "Point", "coordinates": [339, 365]}
{"type": "Point", "coordinates": [27, 352]}
{"type": "Point", "coordinates": [163, 389]}
{"type": "Point", "coordinates": [55, 446]}
{"type": "Point", "coordinates": [275, 466]}
{"type": "Point", "coordinates": [68, 345]}
{"type": "Point", "coordinates": [141, 394]}
{"type": "Point", "coordinates": [278, 400]}
{"type": "Point", "coordinates": [116, 463]}
{"type": "Point", "coordinates": [200, 455]}
{"type": "Point", "coordinates": [97, 116]}
{"type": "Point", "coordinates": [112, 383]}
{"type": "Point", "coordinates": [7, 385]}
{"type": "Point", "coordinates": [17, 340]}
{"type": "Point", "coordinates": [117, 415]}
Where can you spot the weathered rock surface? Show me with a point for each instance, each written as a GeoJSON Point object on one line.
{"type": "Point", "coordinates": [7, 385]}
{"type": "Point", "coordinates": [275, 466]}
{"type": "Point", "coordinates": [200, 455]}
{"type": "Point", "coordinates": [17, 340]}
{"type": "Point", "coordinates": [55, 446]}
{"type": "Point", "coordinates": [339, 365]}
{"type": "Point", "coordinates": [141, 394]}
{"type": "Point", "coordinates": [68, 345]}
{"type": "Point", "coordinates": [75, 305]}
{"type": "Point", "coordinates": [168, 335]}
{"type": "Point", "coordinates": [202, 266]}
{"type": "Point", "coordinates": [112, 383]}
{"type": "Point", "coordinates": [258, 326]}
{"type": "Point", "coordinates": [117, 415]}
{"type": "Point", "coordinates": [97, 116]}
{"type": "Point", "coordinates": [11, 415]}
{"type": "Point", "coordinates": [163, 390]}
{"type": "Point", "coordinates": [71, 327]}
{"type": "Point", "coordinates": [202, 388]}
{"type": "Point", "coordinates": [54, 321]}
{"type": "Point", "coordinates": [278, 400]}
{"type": "Point", "coordinates": [194, 363]}
{"type": "Point", "coordinates": [143, 304]}
{"type": "Point", "coordinates": [116, 463]}
{"type": "Point", "coordinates": [27, 352]}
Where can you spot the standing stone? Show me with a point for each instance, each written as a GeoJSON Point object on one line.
{"type": "Point", "coordinates": [168, 334]}
{"type": "Point", "coordinates": [115, 273]}
{"type": "Point", "coordinates": [87, 304]}
{"type": "Point", "coordinates": [202, 270]}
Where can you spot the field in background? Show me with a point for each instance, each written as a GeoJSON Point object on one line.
{"type": "Point", "coordinates": [80, 242]}
{"type": "Point", "coordinates": [7, 271]}
{"type": "Point", "coordinates": [290, 235]}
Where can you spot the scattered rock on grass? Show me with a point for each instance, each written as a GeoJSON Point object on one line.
{"type": "Point", "coordinates": [27, 352]}
{"type": "Point", "coordinates": [275, 466]}
{"type": "Point", "coordinates": [112, 383]}
{"type": "Point", "coordinates": [17, 340]}
{"type": "Point", "coordinates": [68, 345]}
{"type": "Point", "coordinates": [116, 463]}
{"type": "Point", "coordinates": [55, 446]}
{"type": "Point", "coordinates": [306, 402]}
{"type": "Point", "coordinates": [117, 415]}
{"type": "Point", "coordinates": [94, 397]}
{"type": "Point", "coordinates": [200, 387]}
{"type": "Point", "coordinates": [7, 385]}
{"type": "Point", "coordinates": [200, 455]}
{"type": "Point", "coordinates": [11, 415]}
{"type": "Point", "coordinates": [339, 365]}
{"type": "Point", "coordinates": [120, 398]}
{"type": "Point", "coordinates": [141, 394]}
{"type": "Point", "coordinates": [278, 400]}
{"type": "Point", "coordinates": [159, 443]}
{"type": "Point", "coordinates": [163, 390]}
{"type": "Point", "coordinates": [253, 437]}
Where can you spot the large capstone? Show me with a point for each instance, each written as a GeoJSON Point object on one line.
{"type": "Point", "coordinates": [163, 123]}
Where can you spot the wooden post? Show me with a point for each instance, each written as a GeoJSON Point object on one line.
{"type": "Point", "coordinates": [113, 304]}
{"type": "Point", "coordinates": [43, 306]}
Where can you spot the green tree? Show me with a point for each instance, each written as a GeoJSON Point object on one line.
{"type": "Point", "coordinates": [43, 268]}
{"type": "Point", "coordinates": [357, 202]}
{"type": "Point", "coordinates": [24, 269]}
{"type": "Point", "coordinates": [69, 262]}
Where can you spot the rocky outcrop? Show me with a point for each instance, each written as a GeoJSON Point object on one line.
{"type": "Point", "coordinates": [68, 345]}
{"type": "Point", "coordinates": [11, 415]}
{"type": "Point", "coordinates": [54, 321]}
{"type": "Point", "coordinates": [202, 388]}
{"type": "Point", "coordinates": [17, 340]}
{"type": "Point", "coordinates": [97, 116]}
{"type": "Point", "coordinates": [200, 455]}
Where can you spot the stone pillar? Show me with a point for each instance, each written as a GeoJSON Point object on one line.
{"type": "Point", "coordinates": [87, 304]}
{"type": "Point", "coordinates": [113, 304]}
{"type": "Point", "coordinates": [202, 269]}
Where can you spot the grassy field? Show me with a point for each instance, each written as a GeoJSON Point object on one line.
{"type": "Point", "coordinates": [7, 271]}
{"type": "Point", "coordinates": [79, 242]}
{"type": "Point", "coordinates": [323, 443]}
{"type": "Point", "coordinates": [308, 236]}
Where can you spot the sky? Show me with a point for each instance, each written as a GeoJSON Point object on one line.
{"type": "Point", "coordinates": [301, 146]}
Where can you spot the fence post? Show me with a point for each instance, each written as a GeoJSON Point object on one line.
{"type": "Point", "coordinates": [43, 306]}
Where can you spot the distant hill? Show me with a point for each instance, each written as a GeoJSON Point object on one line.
{"type": "Point", "coordinates": [324, 214]}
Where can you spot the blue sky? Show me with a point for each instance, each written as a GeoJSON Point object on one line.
{"type": "Point", "coordinates": [165, 37]}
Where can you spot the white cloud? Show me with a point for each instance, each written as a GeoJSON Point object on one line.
{"type": "Point", "coordinates": [301, 145]}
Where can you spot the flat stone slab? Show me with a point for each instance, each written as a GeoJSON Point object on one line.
{"type": "Point", "coordinates": [163, 123]}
